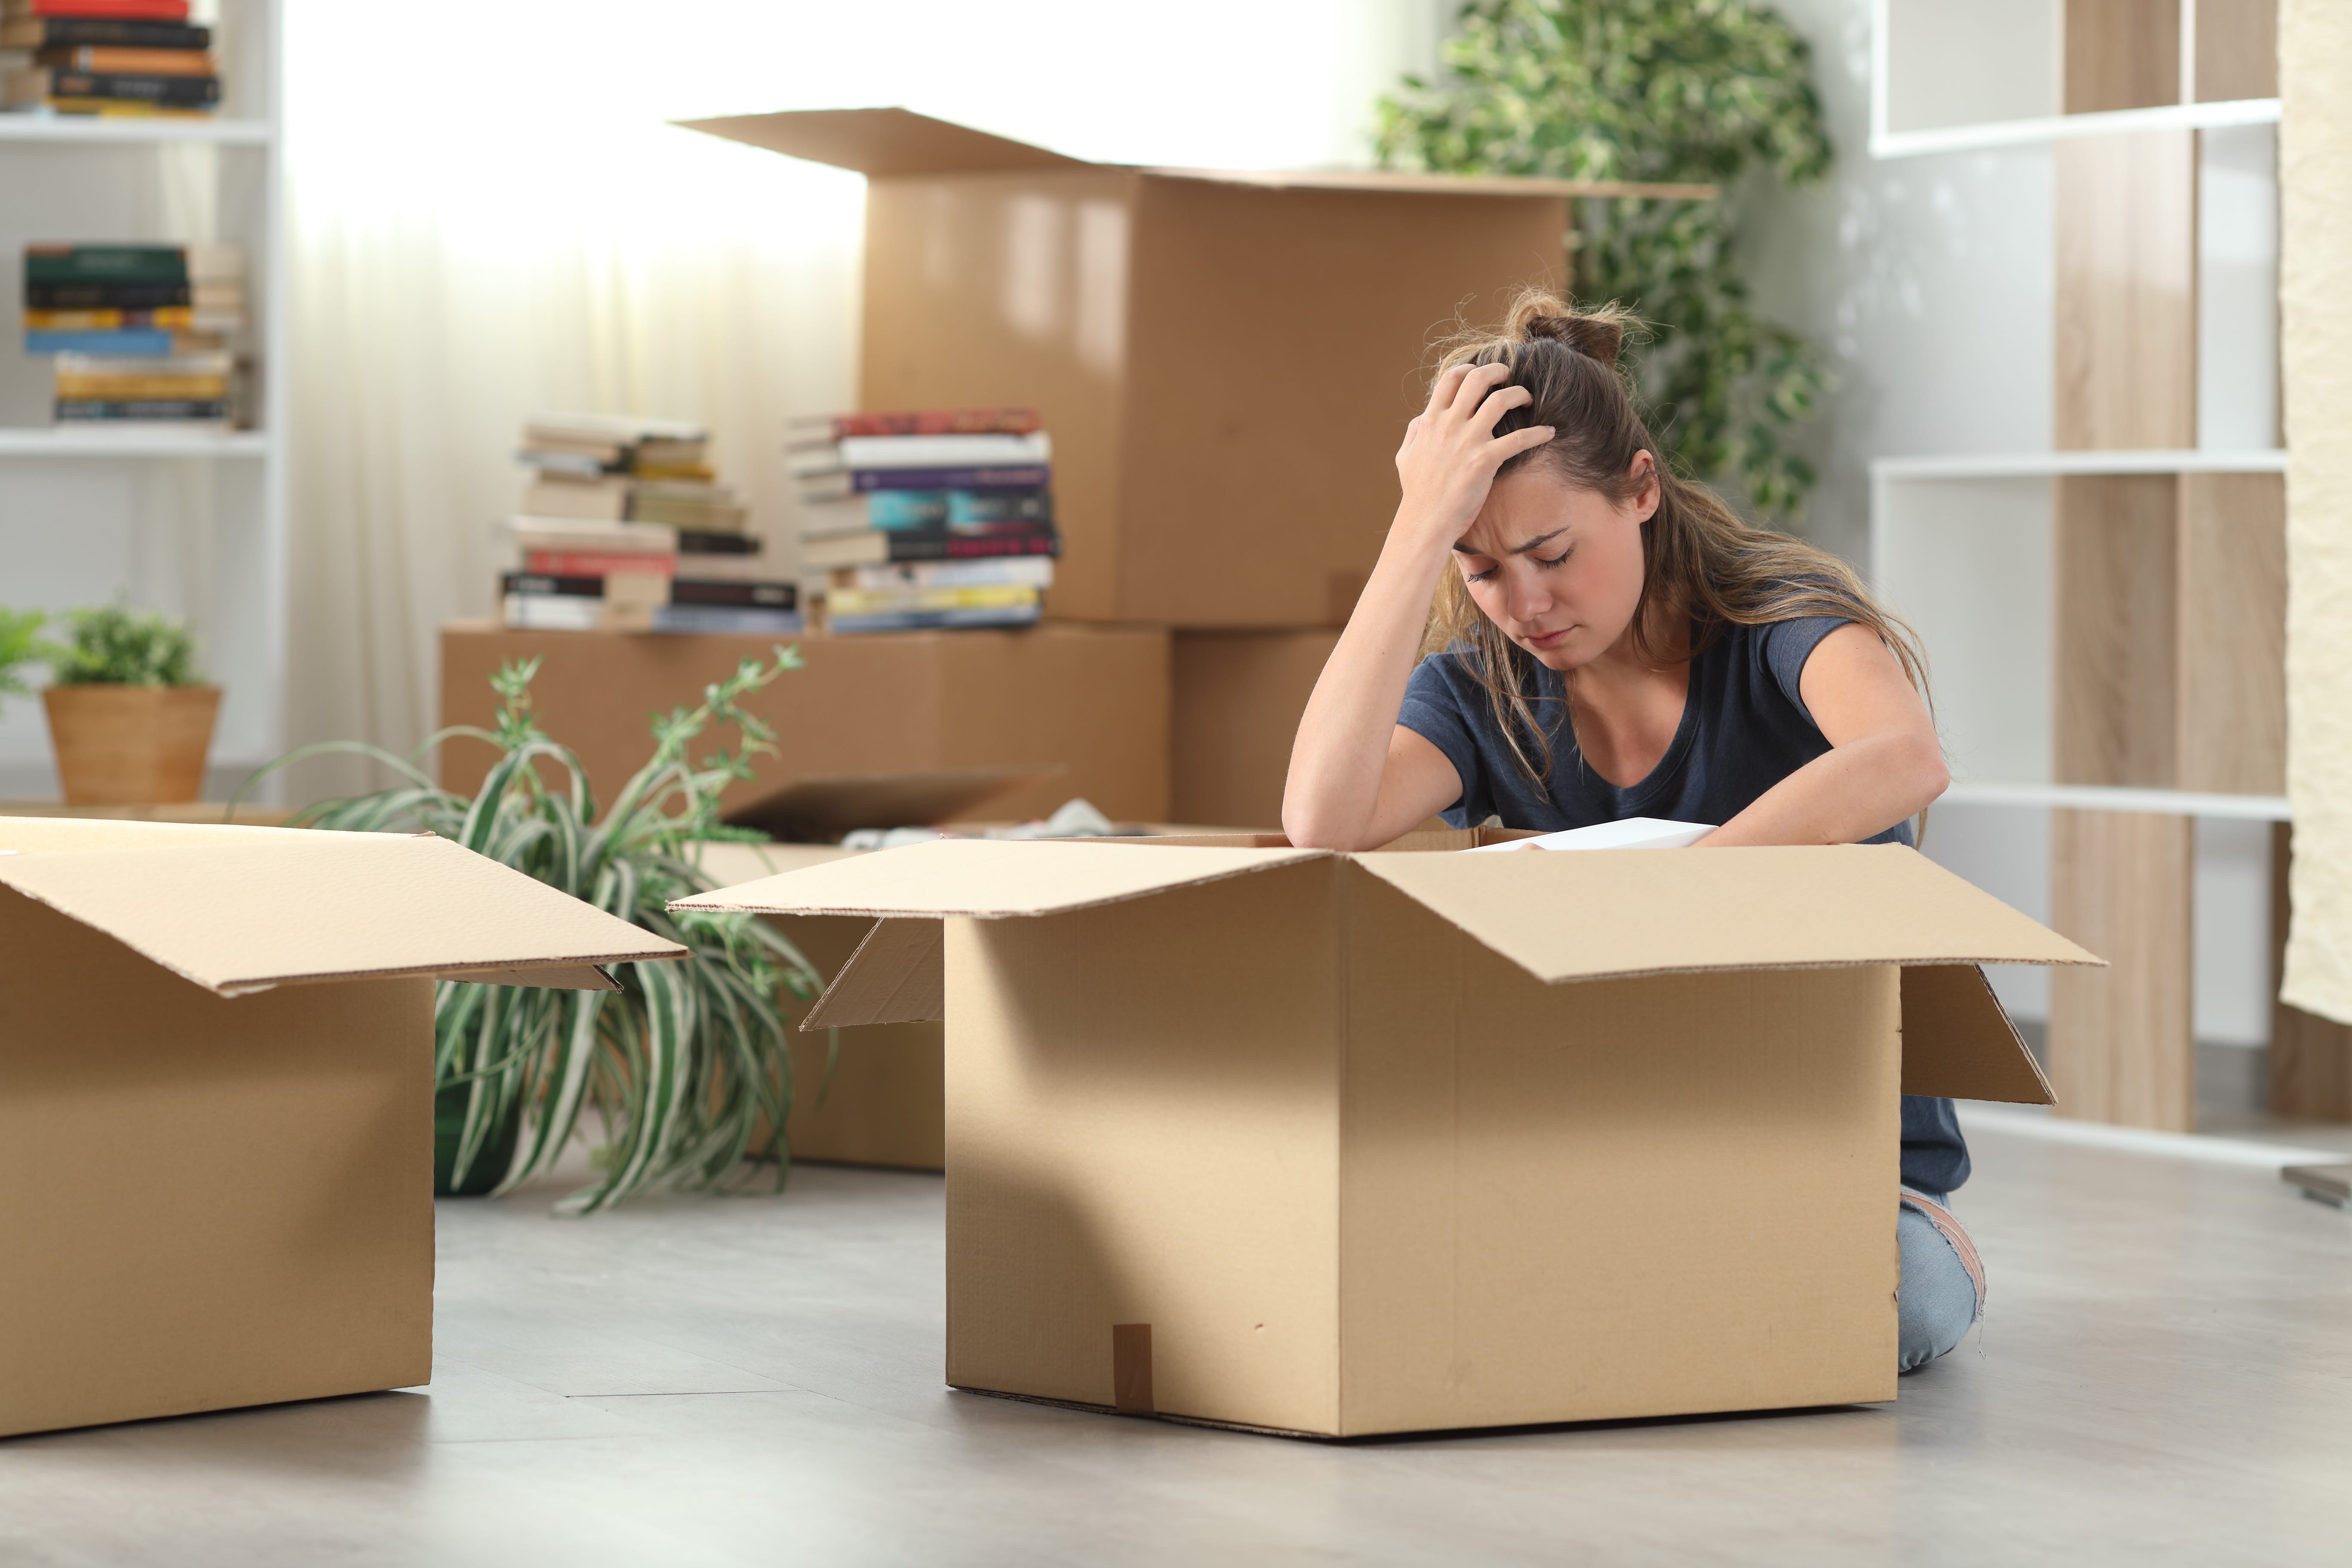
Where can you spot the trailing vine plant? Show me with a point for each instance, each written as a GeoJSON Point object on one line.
{"type": "Point", "coordinates": [685, 1069]}
{"type": "Point", "coordinates": [1658, 91]}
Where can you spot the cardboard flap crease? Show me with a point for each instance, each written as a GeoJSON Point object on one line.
{"type": "Point", "coordinates": [243, 909]}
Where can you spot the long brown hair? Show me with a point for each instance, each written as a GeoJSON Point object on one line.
{"type": "Point", "coordinates": [1699, 558]}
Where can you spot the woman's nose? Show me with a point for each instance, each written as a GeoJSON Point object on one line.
{"type": "Point", "coordinates": [1529, 598]}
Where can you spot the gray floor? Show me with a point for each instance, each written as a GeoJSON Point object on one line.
{"type": "Point", "coordinates": [2165, 1376]}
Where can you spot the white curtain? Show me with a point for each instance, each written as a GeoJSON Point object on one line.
{"type": "Point", "coordinates": [489, 216]}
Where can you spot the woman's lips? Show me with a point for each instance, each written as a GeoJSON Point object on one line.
{"type": "Point", "coordinates": [1548, 639]}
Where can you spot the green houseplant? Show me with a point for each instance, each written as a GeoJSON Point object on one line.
{"type": "Point", "coordinates": [1666, 90]}
{"type": "Point", "coordinates": [131, 719]}
{"type": "Point", "coordinates": [686, 1068]}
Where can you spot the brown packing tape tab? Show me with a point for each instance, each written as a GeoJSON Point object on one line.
{"type": "Point", "coordinates": [1130, 1369]}
{"type": "Point", "coordinates": [897, 976]}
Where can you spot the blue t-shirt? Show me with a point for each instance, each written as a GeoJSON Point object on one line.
{"type": "Point", "coordinates": [1743, 728]}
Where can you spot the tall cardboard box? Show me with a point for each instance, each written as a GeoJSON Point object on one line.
{"type": "Point", "coordinates": [1225, 359]}
{"type": "Point", "coordinates": [1345, 1144]}
{"type": "Point", "coordinates": [1091, 701]}
{"type": "Point", "coordinates": [217, 1102]}
{"type": "Point", "coordinates": [1235, 702]}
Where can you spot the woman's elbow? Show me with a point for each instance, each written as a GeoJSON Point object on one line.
{"type": "Point", "coordinates": [1925, 773]}
{"type": "Point", "coordinates": [1308, 829]}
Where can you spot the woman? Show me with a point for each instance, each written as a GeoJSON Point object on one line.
{"type": "Point", "coordinates": [1610, 641]}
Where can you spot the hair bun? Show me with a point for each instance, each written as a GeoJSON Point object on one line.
{"type": "Point", "coordinates": [1599, 336]}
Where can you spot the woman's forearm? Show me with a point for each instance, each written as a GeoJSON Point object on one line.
{"type": "Point", "coordinates": [1336, 764]}
{"type": "Point", "coordinates": [1846, 795]}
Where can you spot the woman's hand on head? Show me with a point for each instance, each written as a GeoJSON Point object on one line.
{"type": "Point", "coordinates": [1451, 451]}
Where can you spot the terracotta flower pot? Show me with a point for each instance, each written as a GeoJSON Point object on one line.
{"type": "Point", "coordinates": [132, 746]}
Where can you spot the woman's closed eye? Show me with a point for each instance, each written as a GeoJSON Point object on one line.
{"type": "Point", "coordinates": [1552, 561]}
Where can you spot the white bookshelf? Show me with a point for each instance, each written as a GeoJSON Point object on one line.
{"type": "Point", "coordinates": [189, 521]}
{"type": "Point", "coordinates": [1962, 548]}
{"type": "Point", "coordinates": [1952, 78]}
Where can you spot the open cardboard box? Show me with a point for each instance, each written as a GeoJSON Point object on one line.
{"type": "Point", "coordinates": [217, 1102]}
{"type": "Point", "coordinates": [1343, 1144]}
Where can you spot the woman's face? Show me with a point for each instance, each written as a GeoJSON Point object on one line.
{"type": "Point", "coordinates": [1558, 567]}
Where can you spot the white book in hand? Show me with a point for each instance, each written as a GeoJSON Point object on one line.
{"type": "Point", "coordinates": [1632, 833]}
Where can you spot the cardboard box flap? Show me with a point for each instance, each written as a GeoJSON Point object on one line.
{"type": "Point", "coordinates": [1614, 912]}
{"type": "Point", "coordinates": [47, 835]}
{"type": "Point", "coordinates": [1958, 1041]}
{"type": "Point", "coordinates": [245, 914]}
{"type": "Point", "coordinates": [821, 810]}
{"type": "Point", "coordinates": [897, 976]}
{"type": "Point", "coordinates": [1396, 182]}
{"type": "Point", "coordinates": [882, 141]}
{"type": "Point", "coordinates": [992, 878]}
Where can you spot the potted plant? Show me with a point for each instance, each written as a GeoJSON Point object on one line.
{"type": "Point", "coordinates": [130, 718]}
{"type": "Point", "coordinates": [685, 1069]}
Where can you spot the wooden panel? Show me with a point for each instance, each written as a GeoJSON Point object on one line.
{"type": "Point", "coordinates": [2116, 601]}
{"type": "Point", "coordinates": [2237, 49]}
{"type": "Point", "coordinates": [2126, 304]}
{"type": "Point", "coordinates": [2233, 631]}
{"type": "Point", "coordinates": [2311, 1056]}
{"type": "Point", "coordinates": [2121, 1048]}
{"type": "Point", "coordinates": [2121, 54]}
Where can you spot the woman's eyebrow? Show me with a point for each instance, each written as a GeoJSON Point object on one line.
{"type": "Point", "coordinates": [1538, 542]}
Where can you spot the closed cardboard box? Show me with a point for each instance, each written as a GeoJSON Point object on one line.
{"type": "Point", "coordinates": [1234, 705]}
{"type": "Point", "coordinates": [1225, 359]}
{"type": "Point", "coordinates": [1092, 700]}
{"type": "Point", "coordinates": [1345, 1144]}
{"type": "Point", "coordinates": [217, 1103]}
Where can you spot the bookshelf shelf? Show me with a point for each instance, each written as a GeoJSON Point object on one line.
{"type": "Point", "coordinates": [156, 442]}
{"type": "Point", "coordinates": [1995, 133]}
{"type": "Point", "coordinates": [134, 130]}
{"type": "Point", "coordinates": [2051, 465]}
{"type": "Point", "coordinates": [2103, 797]}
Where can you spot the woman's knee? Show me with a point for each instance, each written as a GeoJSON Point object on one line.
{"type": "Point", "coordinates": [1937, 1300]}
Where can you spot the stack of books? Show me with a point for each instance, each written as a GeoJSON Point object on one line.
{"type": "Point", "coordinates": [138, 332]}
{"type": "Point", "coordinates": [625, 527]}
{"type": "Point", "coordinates": [932, 519]}
{"type": "Point", "coordinates": [105, 57]}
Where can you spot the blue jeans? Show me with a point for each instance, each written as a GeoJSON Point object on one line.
{"type": "Point", "coordinates": [1943, 1280]}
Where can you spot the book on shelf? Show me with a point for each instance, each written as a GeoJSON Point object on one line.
{"type": "Point", "coordinates": [116, 60]}
{"type": "Point", "coordinates": [1026, 571]}
{"type": "Point", "coordinates": [534, 532]}
{"type": "Point", "coordinates": [110, 10]}
{"type": "Point", "coordinates": [551, 602]}
{"type": "Point", "coordinates": [875, 547]}
{"type": "Point", "coordinates": [37, 33]}
{"type": "Point", "coordinates": [600, 500]}
{"type": "Point", "coordinates": [824, 428]}
{"type": "Point", "coordinates": [953, 509]}
{"type": "Point", "coordinates": [715, 513]}
{"type": "Point", "coordinates": [87, 92]}
{"type": "Point", "coordinates": [141, 410]}
{"type": "Point", "coordinates": [133, 301]}
{"type": "Point", "coordinates": [1024, 476]}
{"type": "Point", "coordinates": [903, 601]}
{"type": "Point", "coordinates": [974, 619]}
